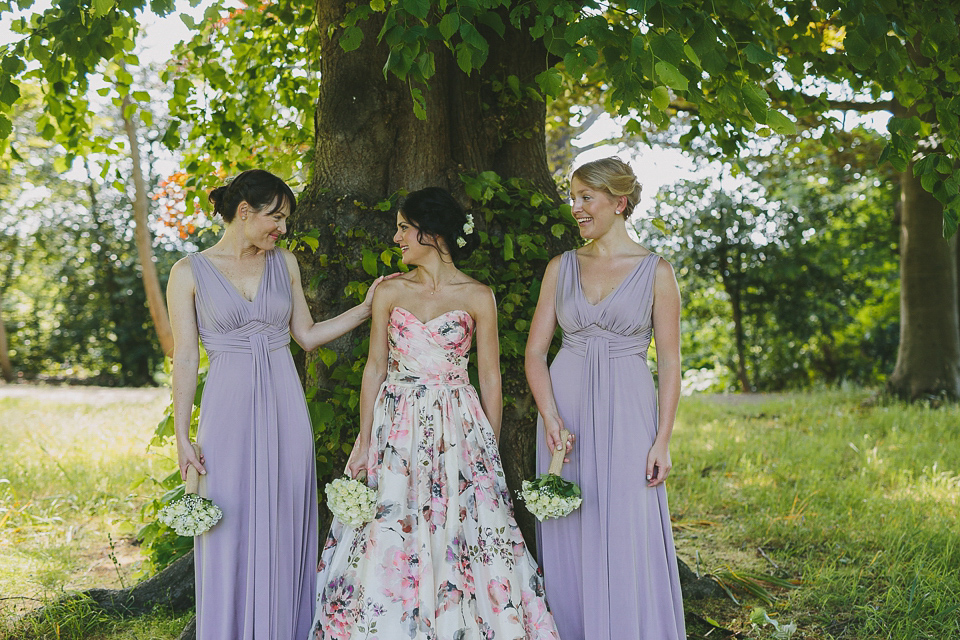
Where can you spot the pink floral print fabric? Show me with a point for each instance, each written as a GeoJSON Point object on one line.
{"type": "Point", "coordinates": [443, 559]}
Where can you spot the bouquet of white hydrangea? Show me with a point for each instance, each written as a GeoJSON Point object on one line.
{"type": "Point", "coordinates": [550, 496]}
{"type": "Point", "coordinates": [191, 515]}
{"type": "Point", "coordinates": [351, 500]}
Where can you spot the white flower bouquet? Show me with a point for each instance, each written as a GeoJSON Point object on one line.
{"type": "Point", "coordinates": [191, 515]}
{"type": "Point", "coordinates": [351, 500]}
{"type": "Point", "coordinates": [550, 496]}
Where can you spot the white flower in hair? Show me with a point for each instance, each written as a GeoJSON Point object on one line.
{"type": "Point", "coordinates": [461, 242]}
{"type": "Point", "coordinates": [468, 225]}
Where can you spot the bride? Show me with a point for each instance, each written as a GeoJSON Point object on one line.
{"type": "Point", "coordinates": [443, 557]}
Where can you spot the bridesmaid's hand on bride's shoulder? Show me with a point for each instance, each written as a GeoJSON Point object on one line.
{"type": "Point", "coordinates": [552, 427]}
{"type": "Point", "coordinates": [368, 299]}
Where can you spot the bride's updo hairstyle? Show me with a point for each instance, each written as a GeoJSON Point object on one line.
{"type": "Point", "coordinates": [434, 212]}
{"type": "Point", "coordinates": [612, 175]}
{"type": "Point", "coordinates": [258, 188]}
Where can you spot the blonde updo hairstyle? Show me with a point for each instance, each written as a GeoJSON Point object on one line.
{"type": "Point", "coordinates": [612, 175]}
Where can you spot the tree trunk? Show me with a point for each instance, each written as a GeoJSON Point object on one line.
{"type": "Point", "coordinates": [143, 238]}
{"type": "Point", "coordinates": [5, 367]}
{"type": "Point", "coordinates": [928, 360]}
{"type": "Point", "coordinates": [369, 145]}
{"type": "Point", "coordinates": [172, 590]}
{"type": "Point", "coordinates": [740, 340]}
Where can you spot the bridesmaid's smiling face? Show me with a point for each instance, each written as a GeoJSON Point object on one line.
{"type": "Point", "coordinates": [594, 210]}
{"type": "Point", "coordinates": [264, 227]}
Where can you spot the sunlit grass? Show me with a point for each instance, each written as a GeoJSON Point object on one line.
{"type": "Point", "coordinates": [859, 501]}
{"type": "Point", "coordinates": [70, 463]}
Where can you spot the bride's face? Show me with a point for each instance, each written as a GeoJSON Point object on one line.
{"type": "Point", "coordinates": [407, 236]}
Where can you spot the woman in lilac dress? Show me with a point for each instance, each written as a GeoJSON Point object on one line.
{"type": "Point", "coordinates": [243, 299]}
{"type": "Point", "coordinates": [610, 567]}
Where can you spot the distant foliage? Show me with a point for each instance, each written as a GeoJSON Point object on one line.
{"type": "Point", "coordinates": [806, 245]}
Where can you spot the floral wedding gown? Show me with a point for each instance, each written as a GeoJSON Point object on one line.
{"type": "Point", "coordinates": [443, 559]}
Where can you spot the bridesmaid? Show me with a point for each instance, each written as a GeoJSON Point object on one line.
{"type": "Point", "coordinates": [610, 567]}
{"type": "Point", "coordinates": [243, 299]}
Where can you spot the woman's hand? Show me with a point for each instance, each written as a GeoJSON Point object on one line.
{"type": "Point", "coordinates": [552, 426]}
{"type": "Point", "coordinates": [368, 299]}
{"type": "Point", "coordinates": [187, 457]}
{"type": "Point", "coordinates": [362, 458]}
{"type": "Point", "coordinates": [658, 463]}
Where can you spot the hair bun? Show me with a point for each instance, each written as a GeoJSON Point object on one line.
{"type": "Point", "coordinates": [216, 197]}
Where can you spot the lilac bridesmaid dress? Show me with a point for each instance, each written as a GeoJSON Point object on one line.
{"type": "Point", "coordinates": [256, 569]}
{"type": "Point", "coordinates": [610, 567]}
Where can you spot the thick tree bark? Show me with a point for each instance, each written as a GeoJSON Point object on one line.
{"type": "Point", "coordinates": [928, 360]}
{"type": "Point", "coordinates": [144, 239]}
{"type": "Point", "coordinates": [369, 145]}
{"type": "Point", "coordinates": [172, 589]}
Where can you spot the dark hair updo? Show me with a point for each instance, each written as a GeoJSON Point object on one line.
{"type": "Point", "coordinates": [434, 212]}
{"type": "Point", "coordinates": [258, 188]}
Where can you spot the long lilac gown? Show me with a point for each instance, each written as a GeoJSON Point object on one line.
{"type": "Point", "coordinates": [610, 567]}
{"type": "Point", "coordinates": [256, 569]}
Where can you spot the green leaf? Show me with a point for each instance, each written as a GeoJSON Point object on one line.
{"type": "Point", "coordinates": [692, 56]}
{"type": "Point", "coordinates": [449, 25]}
{"type": "Point", "coordinates": [780, 123]}
{"type": "Point", "coordinates": [950, 221]}
{"type": "Point", "coordinates": [550, 81]}
{"type": "Point", "coordinates": [756, 100]}
{"type": "Point", "coordinates": [351, 38]}
{"type": "Point", "coordinates": [660, 97]}
{"type": "Point", "coordinates": [378, 5]}
{"type": "Point", "coordinates": [508, 247]}
{"type": "Point", "coordinates": [494, 21]}
{"type": "Point", "coordinates": [369, 262]}
{"type": "Point", "coordinates": [102, 7]}
{"type": "Point", "coordinates": [419, 104]}
{"type": "Point", "coordinates": [671, 76]}
{"type": "Point", "coordinates": [9, 94]}
{"type": "Point", "coordinates": [464, 58]}
{"type": "Point", "coordinates": [417, 8]}
{"type": "Point", "coordinates": [6, 127]}
{"type": "Point", "coordinates": [758, 55]}
{"type": "Point", "coordinates": [311, 242]}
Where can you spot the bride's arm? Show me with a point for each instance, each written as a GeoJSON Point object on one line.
{"type": "Point", "coordinates": [374, 373]}
{"type": "Point", "coordinates": [310, 334]}
{"type": "Point", "coordinates": [488, 361]}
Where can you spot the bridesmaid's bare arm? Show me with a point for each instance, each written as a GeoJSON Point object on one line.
{"type": "Point", "coordinates": [186, 359]}
{"type": "Point", "coordinates": [542, 328]}
{"type": "Point", "coordinates": [666, 331]}
{"type": "Point", "coordinates": [310, 334]}
{"type": "Point", "coordinates": [374, 373]}
{"type": "Point", "coordinates": [488, 359]}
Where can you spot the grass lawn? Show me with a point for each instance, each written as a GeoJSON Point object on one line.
{"type": "Point", "coordinates": [70, 460]}
{"type": "Point", "coordinates": [857, 502]}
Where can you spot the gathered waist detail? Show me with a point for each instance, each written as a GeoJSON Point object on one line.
{"type": "Point", "coordinates": [411, 379]}
{"type": "Point", "coordinates": [244, 343]}
{"type": "Point", "coordinates": [614, 345]}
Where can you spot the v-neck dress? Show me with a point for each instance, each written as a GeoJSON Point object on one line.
{"type": "Point", "coordinates": [256, 569]}
{"type": "Point", "coordinates": [610, 567]}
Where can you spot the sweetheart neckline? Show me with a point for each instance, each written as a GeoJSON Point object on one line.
{"type": "Point", "coordinates": [412, 315]}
